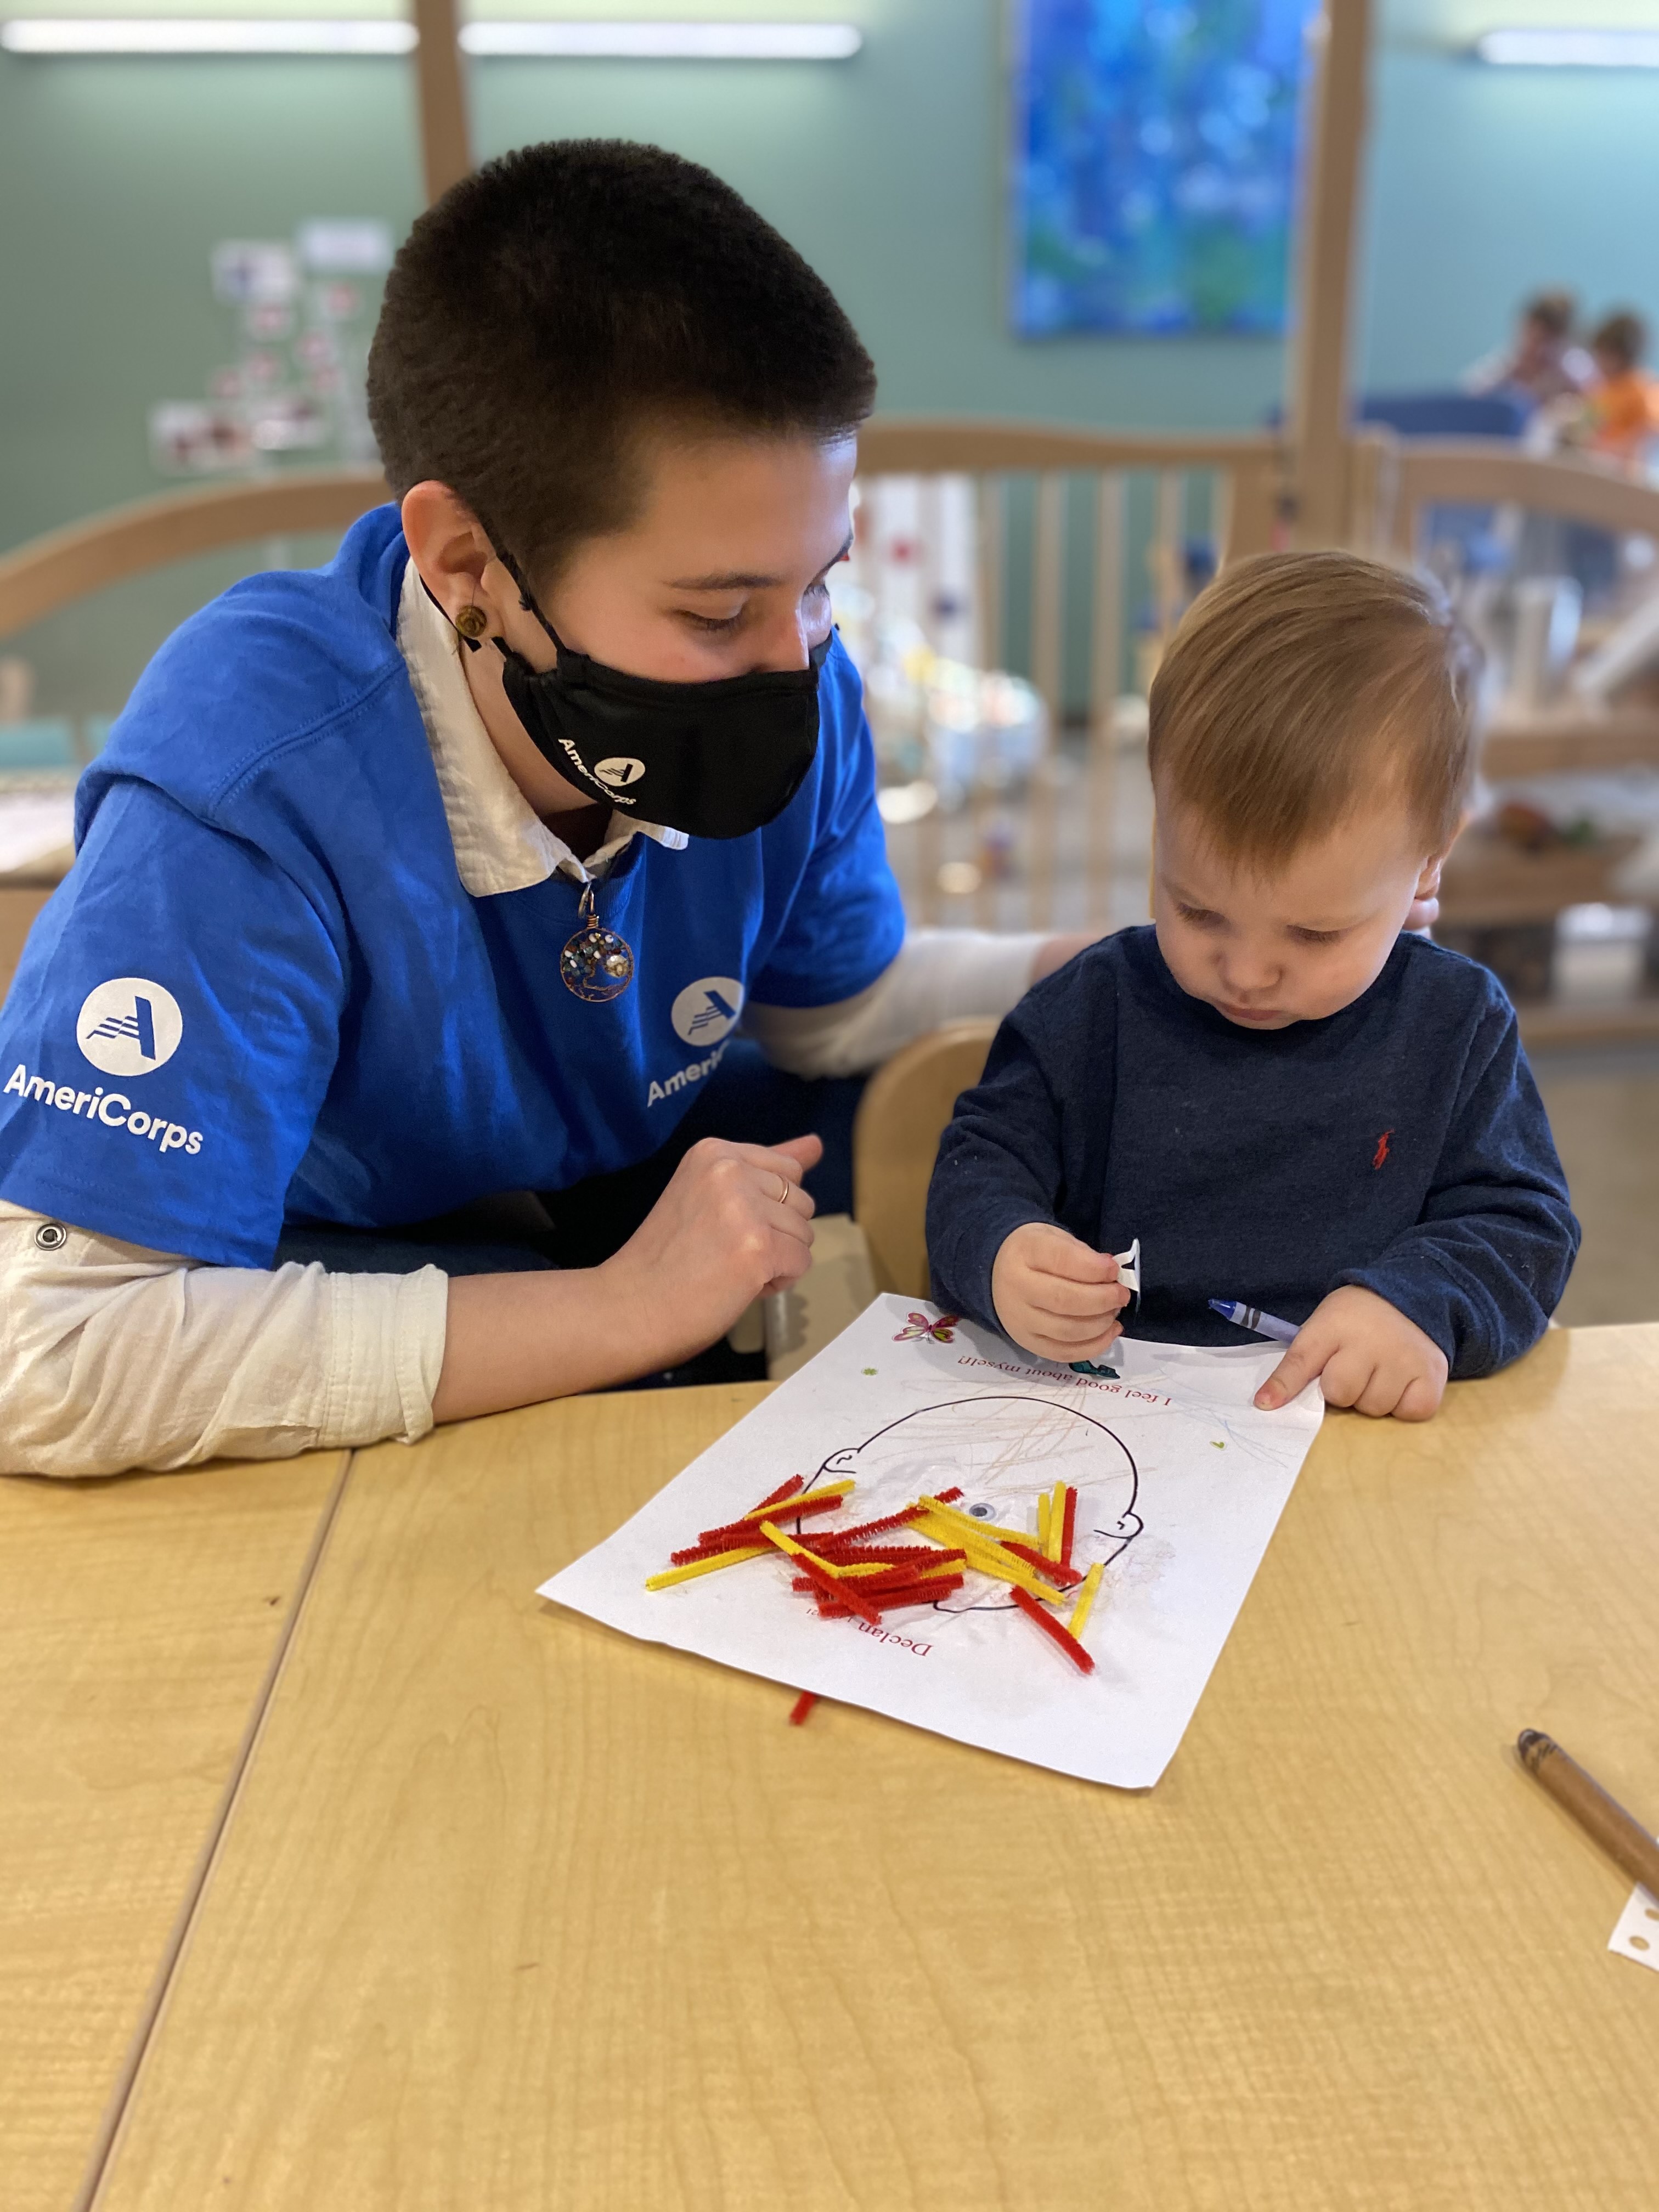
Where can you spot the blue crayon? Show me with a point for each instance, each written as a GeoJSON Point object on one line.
{"type": "Point", "coordinates": [1253, 1318]}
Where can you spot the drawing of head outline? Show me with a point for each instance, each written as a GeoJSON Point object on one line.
{"type": "Point", "coordinates": [965, 1442]}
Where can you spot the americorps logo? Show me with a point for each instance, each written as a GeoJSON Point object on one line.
{"type": "Point", "coordinates": [129, 1026]}
{"type": "Point", "coordinates": [619, 771]}
{"type": "Point", "coordinates": [708, 1010]}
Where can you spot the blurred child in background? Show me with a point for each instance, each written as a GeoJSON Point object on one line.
{"type": "Point", "coordinates": [1619, 414]}
{"type": "Point", "coordinates": [1541, 363]}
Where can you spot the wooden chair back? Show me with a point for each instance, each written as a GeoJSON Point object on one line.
{"type": "Point", "coordinates": [901, 1119]}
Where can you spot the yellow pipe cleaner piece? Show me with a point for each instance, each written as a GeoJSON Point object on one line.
{"type": "Point", "coordinates": [1085, 1600]}
{"type": "Point", "coordinates": [972, 1528]}
{"type": "Point", "coordinates": [775, 1535]}
{"type": "Point", "coordinates": [1056, 1522]}
{"type": "Point", "coordinates": [991, 1559]}
{"type": "Point", "coordinates": [703, 1566]}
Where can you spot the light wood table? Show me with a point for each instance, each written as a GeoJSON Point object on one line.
{"type": "Point", "coordinates": [513, 1912]}
{"type": "Point", "coordinates": [140, 1622]}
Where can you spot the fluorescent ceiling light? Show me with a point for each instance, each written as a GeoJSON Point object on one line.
{"type": "Point", "coordinates": [702, 42]}
{"type": "Point", "coordinates": [319, 34]}
{"type": "Point", "coordinates": [1569, 48]}
{"type": "Point", "coordinates": [203, 34]}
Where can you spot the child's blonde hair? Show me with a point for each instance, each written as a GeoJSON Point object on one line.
{"type": "Point", "coordinates": [1302, 687]}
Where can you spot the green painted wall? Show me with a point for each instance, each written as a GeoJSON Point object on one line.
{"type": "Point", "coordinates": [116, 177]}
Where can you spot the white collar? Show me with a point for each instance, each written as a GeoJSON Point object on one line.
{"type": "Point", "coordinates": [502, 844]}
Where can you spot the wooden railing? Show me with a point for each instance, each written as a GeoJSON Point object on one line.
{"type": "Point", "coordinates": [1076, 530]}
{"type": "Point", "coordinates": [1073, 825]}
{"type": "Point", "coordinates": [65, 565]}
{"type": "Point", "coordinates": [1421, 473]}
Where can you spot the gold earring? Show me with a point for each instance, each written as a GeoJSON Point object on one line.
{"type": "Point", "coordinates": [473, 622]}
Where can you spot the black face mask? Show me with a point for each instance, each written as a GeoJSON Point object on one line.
{"type": "Point", "coordinates": [716, 760]}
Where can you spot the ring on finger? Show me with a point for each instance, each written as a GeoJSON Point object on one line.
{"type": "Point", "coordinates": [783, 1190]}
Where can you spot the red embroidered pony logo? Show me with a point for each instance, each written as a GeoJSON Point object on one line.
{"type": "Point", "coordinates": [1382, 1151]}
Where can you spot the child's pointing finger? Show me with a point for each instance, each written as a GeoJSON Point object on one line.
{"type": "Point", "coordinates": [1305, 1358]}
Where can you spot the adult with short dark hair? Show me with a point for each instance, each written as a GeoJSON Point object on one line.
{"type": "Point", "coordinates": [443, 876]}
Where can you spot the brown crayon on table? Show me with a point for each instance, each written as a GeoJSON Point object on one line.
{"type": "Point", "coordinates": [1625, 1840]}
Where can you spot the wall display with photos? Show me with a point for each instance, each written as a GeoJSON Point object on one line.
{"type": "Point", "coordinates": [304, 313]}
{"type": "Point", "coordinates": [1153, 164]}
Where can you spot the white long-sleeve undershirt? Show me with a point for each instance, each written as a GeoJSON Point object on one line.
{"type": "Point", "coordinates": [118, 1358]}
{"type": "Point", "coordinates": [939, 975]}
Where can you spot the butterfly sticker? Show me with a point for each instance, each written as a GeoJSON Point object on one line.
{"type": "Point", "coordinates": [942, 1331]}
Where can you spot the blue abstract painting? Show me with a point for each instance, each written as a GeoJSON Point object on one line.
{"type": "Point", "coordinates": [1154, 163]}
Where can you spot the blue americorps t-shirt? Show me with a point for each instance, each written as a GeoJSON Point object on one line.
{"type": "Point", "coordinates": [263, 989]}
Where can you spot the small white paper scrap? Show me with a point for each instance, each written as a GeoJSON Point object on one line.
{"type": "Point", "coordinates": [1180, 1484]}
{"type": "Point", "coordinates": [1637, 1936]}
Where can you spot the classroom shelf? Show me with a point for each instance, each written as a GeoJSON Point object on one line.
{"type": "Point", "coordinates": [1490, 882]}
{"type": "Point", "coordinates": [1548, 1022]}
{"type": "Point", "coordinates": [1571, 739]}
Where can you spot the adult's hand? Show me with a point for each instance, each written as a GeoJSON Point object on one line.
{"type": "Point", "coordinates": [733, 1223]}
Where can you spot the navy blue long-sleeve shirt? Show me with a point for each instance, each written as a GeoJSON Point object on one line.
{"type": "Point", "coordinates": [1400, 1143]}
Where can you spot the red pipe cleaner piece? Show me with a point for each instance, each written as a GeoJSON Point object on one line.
{"type": "Point", "coordinates": [895, 1555]}
{"type": "Point", "coordinates": [748, 1527]}
{"type": "Point", "coordinates": [802, 1706]}
{"type": "Point", "coordinates": [840, 1593]}
{"type": "Point", "coordinates": [882, 1595]}
{"type": "Point", "coordinates": [901, 1577]}
{"type": "Point", "coordinates": [1069, 1529]}
{"type": "Point", "coordinates": [1050, 1570]}
{"type": "Point", "coordinates": [712, 1551]}
{"type": "Point", "coordinates": [916, 1594]}
{"type": "Point", "coordinates": [947, 1497]}
{"type": "Point", "coordinates": [873, 1528]}
{"type": "Point", "coordinates": [890, 1601]}
{"type": "Point", "coordinates": [784, 1490]}
{"type": "Point", "coordinates": [1053, 1629]}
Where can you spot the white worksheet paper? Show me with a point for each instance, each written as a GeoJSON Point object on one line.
{"type": "Point", "coordinates": [1181, 1482]}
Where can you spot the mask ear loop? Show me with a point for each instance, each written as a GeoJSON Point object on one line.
{"type": "Point", "coordinates": [470, 625]}
{"type": "Point", "coordinates": [526, 599]}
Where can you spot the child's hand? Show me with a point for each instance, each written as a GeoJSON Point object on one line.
{"type": "Point", "coordinates": [1055, 1297]}
{"type": "Point", "coordinates": [1365, 1353]}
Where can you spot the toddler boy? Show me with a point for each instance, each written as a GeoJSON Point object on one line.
{"type": "Point", "coordinates": [1289, 1101]}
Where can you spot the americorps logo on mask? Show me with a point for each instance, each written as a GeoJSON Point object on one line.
{"type": "Point", "coordinates": [619, 771]}
{"type": "Point", "coordinates": [129, 1026]}
{"type": "Point", "coordinates": [708, 1010]}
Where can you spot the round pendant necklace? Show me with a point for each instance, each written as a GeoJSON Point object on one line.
{"type": "Point", "coordinates": [596, 964]}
